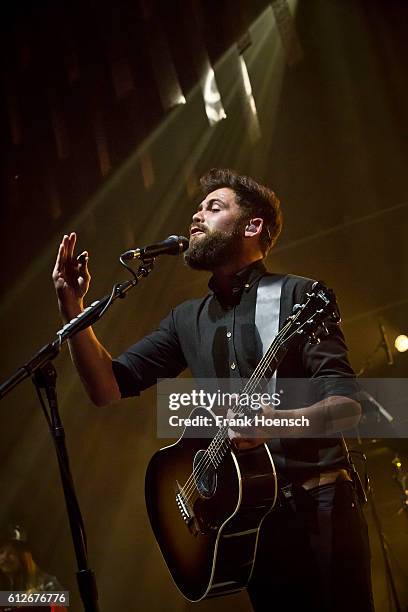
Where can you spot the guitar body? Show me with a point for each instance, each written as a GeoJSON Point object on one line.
{"type": "Point", "coordinates": [205, 520]}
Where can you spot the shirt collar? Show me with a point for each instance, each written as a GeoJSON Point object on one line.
{"type": "Point", "coordinates": [244, 279]}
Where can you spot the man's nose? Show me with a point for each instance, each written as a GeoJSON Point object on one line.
{"type": "Point", "coordinates": [198, 216]}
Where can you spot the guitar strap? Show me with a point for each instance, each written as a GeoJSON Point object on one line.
{"type": "Point", "coordinates": [267, 317]}
{"type": "Point", "coordinates": [267, 312]}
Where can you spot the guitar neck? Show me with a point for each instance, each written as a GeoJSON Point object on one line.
{"type": "Point", "coordinates": [304, 324]}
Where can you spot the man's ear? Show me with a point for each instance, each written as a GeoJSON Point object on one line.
{"type": "Point", "coordinates": [254, 227]}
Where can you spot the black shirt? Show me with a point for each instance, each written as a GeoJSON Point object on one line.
{"type": "Point", "coordinates": [216, 339]}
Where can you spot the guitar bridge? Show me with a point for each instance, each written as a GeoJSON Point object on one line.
{"type": "Point", "coordinates": [186, 511]}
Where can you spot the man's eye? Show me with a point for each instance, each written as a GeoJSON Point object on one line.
{"type": "Point", "coordinates": [215, 209]}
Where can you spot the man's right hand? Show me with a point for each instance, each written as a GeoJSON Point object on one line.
{"type": "Point", "coordinates": [93, 362]}
{"type": "Point", "coordinates": [71, 278]}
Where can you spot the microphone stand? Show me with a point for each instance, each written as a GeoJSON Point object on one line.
{"type": "Point", "coordinates": [44, 375]}
{"type": "Point", "coordinates": [382, 344]}
{"type": "Point", "coordinates": [385, 549]}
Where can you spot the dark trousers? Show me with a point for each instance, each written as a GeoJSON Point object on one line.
{"type": "Point", "coordinates": [313, 554]}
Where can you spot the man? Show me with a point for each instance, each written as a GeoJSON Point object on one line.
{"type": "Point", "coordinates": [313, 551]}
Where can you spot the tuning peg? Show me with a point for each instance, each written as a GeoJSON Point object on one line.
{"type": "Point", "coordinates": [297, 307]}
{"type": "Point", "coordinates": [335, 316]}
{"type": "Point", "coordinates": [324, 328]}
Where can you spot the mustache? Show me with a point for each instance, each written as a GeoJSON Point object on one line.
{"type": "Point", "coordinates": [199, 226]}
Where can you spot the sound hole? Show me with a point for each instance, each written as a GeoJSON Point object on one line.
{"type": "Point", "coordinates": [205, 475]}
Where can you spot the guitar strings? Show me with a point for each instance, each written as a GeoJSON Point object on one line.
{"type": "Point", "coordinates": [191, 487]}
{"type": "Point", "coordinates": [212, 453]}
{"type": "Point", "coordinates": [263, 365]}
{"type": "Point", "coordinates": [221, 437]}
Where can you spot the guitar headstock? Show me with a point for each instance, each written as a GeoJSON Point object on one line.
{"type": "Point", "coordinates": [309, 319]}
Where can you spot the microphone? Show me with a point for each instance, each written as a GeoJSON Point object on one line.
{"type": "Point", "coordinates": [385, 344]}
{"type": "Point", "coordinates": [173, 245]}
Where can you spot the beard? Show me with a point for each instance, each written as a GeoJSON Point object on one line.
{"type": "Point", "coordinates": [215, 248]}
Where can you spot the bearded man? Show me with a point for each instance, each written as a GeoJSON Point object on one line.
{"type": "Point", "coordinates": [313, 549]}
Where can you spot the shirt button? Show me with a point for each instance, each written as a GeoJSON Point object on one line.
{"type": "Point", "coordinates": [246, 285]}
{"type": "Point", "coordinates": [233, 366]}
{"type": "Point", "coordinates": [229, 334]}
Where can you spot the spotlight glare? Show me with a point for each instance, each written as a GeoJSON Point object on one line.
{"type": "Point", "coordinates": [212, 99]}
{"type": "Point", "coordinates": [401, 343]}
{"type": "Point", "coordinates": [245, 76]}
{"type": "Point", "coordinates": [254, 129]}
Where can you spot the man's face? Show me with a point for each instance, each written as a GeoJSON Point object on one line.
{"type": "Point", "coordinates": [9, 560]}
{"type": "Point", "coordinates": [217, 231]}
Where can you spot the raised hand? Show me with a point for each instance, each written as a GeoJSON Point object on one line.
{"type": "Point", "coordinates": [71, 277]}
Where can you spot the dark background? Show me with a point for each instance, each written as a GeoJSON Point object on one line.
{"type": "Point", "coordinates": [91, 143]}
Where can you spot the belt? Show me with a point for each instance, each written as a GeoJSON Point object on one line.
{"type": "Point", "coordinates": [327, 477]}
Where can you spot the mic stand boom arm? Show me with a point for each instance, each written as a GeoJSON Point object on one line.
{"type": "Point", "coordinates": [44, 376]}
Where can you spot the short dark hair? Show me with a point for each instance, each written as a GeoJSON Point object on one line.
{"type": "Point", "coordinates": [256, 200]}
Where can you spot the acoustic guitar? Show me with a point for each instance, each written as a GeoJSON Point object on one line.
{"type": "Point", "coordinates": [206, 502]}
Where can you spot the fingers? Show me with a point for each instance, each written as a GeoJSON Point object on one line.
{"type": "Point", "coordinates": [237, 438]}
{"type": "Point", "coordinates": [82, 260]}
{"type": "Point", "coordinates": [65, 254]}
{"type": "Point", "coordinates": [240, 443]}
{"type": "Point", "coordinates": [65, 250]}
{"type": "Point", "coordinates": [244, 437]}
{"type": "Point", "coordinates": [70, 245]}
{"type": "Point", "coordinates": [58, 261]}
{"type": "Point", "coordinates": [237, 423]}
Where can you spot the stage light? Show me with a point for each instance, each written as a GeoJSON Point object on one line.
{"type": "Point", "coordinates": [212, 98]}
{"type": "Point", "coordinates": [253, 123]}
{"type": "Point", "coordinates": [245, 76]}
{"type": "Point", "coordinates": [401, 343]}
